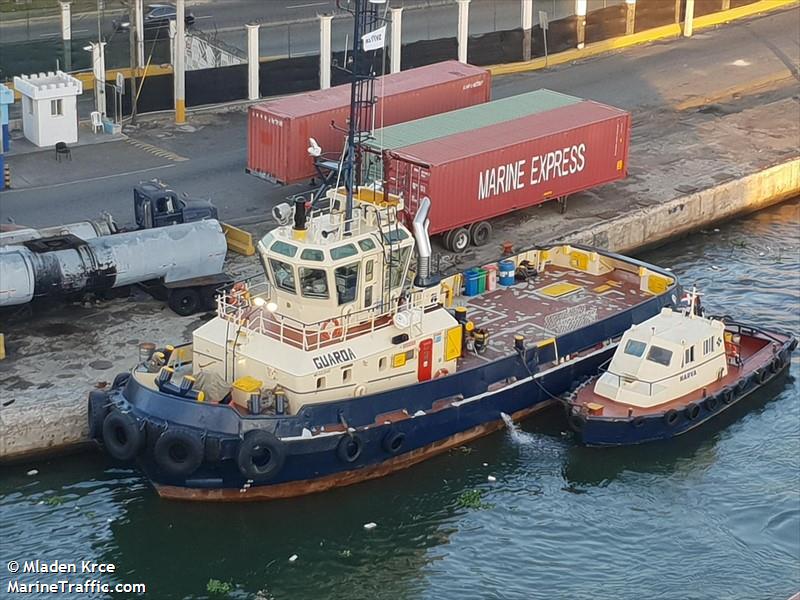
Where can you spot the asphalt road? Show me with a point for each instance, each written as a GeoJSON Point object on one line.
{"type": "Point", "coordinates": [652, 81]}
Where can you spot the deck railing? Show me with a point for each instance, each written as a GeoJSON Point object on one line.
{"type": "Point", "coordinates": [251, 308]}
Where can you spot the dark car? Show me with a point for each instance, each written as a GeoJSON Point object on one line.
{"type": "Point", "coordinates": [155, 17]}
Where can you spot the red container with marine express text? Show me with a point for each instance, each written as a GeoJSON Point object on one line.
{"type": "Point", "coordinates": [279, 130]}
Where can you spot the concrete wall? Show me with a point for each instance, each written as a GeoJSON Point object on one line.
{"type": "Point", "coordinates": [656, 224]}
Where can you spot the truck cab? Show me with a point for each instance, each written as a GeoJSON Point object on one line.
{"type": "Point", "coordinates": [155, 205]}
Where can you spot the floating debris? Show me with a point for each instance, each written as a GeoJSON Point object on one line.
{"type": "Point", "coordinates": [485, 464]}
{"type": "Point", "coordinates": [293, 558]}
{"type": "Point", "coordinates": [370, 525]}
{"type": "Point", "coordinates": [491, 478]}
{"type": "Point", "coordinates": [33, 472]}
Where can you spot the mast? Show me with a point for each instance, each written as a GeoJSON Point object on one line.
{"type": "Point", "coordinates": [366, 20]}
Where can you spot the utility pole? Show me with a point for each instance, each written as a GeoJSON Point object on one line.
{"type": "Point", "coordinates": [132, 32]}
{"type": "Point", "coordinates": [180, 63]}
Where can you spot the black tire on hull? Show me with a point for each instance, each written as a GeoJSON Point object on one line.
{"type": "Point", "coordinates": [576, 423]}
{"type": "Point", "coordinates": [638, 422]}
{"type": "Point", "coordinates": [120, 380]}
{"type": "Point", "coordinates": [97, 411]}
{"type": "Point", "coordinates": [762, 375]}
{"type": "Point", "coordinates": [122, 436]}
{"type": "Point", "coordinates": [692, 411]}
{"type": "Point", "coordinates": [671, 417]}
{"type": "Point", "coordinates": [178, 452]}
{"type": "Point", "coordinates": [393, 441]}
{"type": "Point", "coordinates": [349, 448]}
{"type": "Point", "coordinates": [775, 365]}
{"type": "Point", "coordinates": [711, 403]}
{"type": "Point", "coordinates": [261, 455]}
{"type": "Point", "coordinates": [727, 395]}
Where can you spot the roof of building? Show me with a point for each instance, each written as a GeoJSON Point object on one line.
{"type": "Point", "coordinates": [48, 85]}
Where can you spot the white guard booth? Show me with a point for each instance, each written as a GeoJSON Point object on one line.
{"type": "Point", "coordinates": [49, 107]}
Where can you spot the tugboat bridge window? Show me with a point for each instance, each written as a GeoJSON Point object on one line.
{"type": "Point", "coordinates": [343, 251]}
{"type": "Point", "coordinates": [315, 255]}
{"type": "Point", "coordinates": [284, 248]}
{"type": "Point", "coordinates": [635, 348]}
{"type": "Point", "coordinates": [313, 283]}
{"type": "Point", "coordinates": [369, 270]}
{"type": "Point", "coordinates": [398, 268]}
{"type": "Point", "coordinates": [346, 283]}
{"type": "Point", "coordinates": [283, 274]}
{"type": "Point", "coordinates": [366, 244]}
{"type": "Point", "coordinates": [659, 355]}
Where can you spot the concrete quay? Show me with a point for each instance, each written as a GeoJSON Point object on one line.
{"type": "Point", "coordinates": [703, 150]}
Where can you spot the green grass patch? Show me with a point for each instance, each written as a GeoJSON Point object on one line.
{"type": "Point", "coordinates": [219, 588]}
{"type": "Point", "coordinates": [473, 499]}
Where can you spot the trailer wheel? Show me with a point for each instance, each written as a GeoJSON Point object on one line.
{"type": "Point", "coordinates": [562, 205]}
{"type": "Point", "coordinates": [480, 233]}
{"type": "Point", "coordinates": [460, 240]}
{"type": "Point", "coordinates": [447, 240]}
{"type": "Point", "coordinates": [184, 301]}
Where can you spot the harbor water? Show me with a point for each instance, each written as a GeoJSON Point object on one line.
{"type": "Point", "coordinates": [524, 513]}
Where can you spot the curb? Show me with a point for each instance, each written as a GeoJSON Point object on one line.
{"type": "Point", "coordinates": [644, 37]}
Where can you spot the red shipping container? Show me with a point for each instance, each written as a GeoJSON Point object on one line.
{"type": "Point", "coordinates": [483, 173]}
{"type": "Point", "coordinates": [279, 130]}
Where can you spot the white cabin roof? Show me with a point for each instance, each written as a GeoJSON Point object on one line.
{"type": "Point", "coordinates": [673, 327]}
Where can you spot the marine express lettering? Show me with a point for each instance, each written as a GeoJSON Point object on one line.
{"type": "Point", "coordinates": [557, 163]}
{"type": "Point", "coordinates": [334, 358]}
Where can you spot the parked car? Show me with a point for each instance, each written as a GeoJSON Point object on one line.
{"type": "Point", "coordinates": [156, 16]}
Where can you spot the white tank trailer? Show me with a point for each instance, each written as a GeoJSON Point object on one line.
{"type": "Point", "coordinates": [85, 230]}
{"type": "Point", "coordinates": [182, 262]}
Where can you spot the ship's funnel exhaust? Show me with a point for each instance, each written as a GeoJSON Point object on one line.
{"type": "Point", "coordinates": [423, 240]}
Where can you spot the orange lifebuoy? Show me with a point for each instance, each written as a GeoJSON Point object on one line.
{"type": "Point", "coordinates": [441, 373]}
{"type": "Point", "coordinates": [331, 329]}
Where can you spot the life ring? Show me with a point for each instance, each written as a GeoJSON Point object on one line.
{"type": "Point", "coordinates": [393, 441]}
{"type": "Point", "coordinates": [692, 411]}
{"type": "Point", "coordinates": [122, 435]}
{"type": "Point", "coordinates": [727, 396]}
{"type": "Point", "coordinates": [576, 423]}
{"type": "Point", "coordinates": [349, 448]}
{"type": "Point", "coordinates": [441, 373]}
{"type": "Point", "coordinates": [178, 452]}
{"type": "Point", "coordinates": [97, 411]}
{"type": "Point", "coordinates": [671, 417]}
{"type": "Point", "coordinates": [638, 422]}
{"type": "Point", "coordinates": [711, 403]}
{"type": "Point", "coordinates": [331, 330]}
{"type": "Point", "coordinates": [261, 455]}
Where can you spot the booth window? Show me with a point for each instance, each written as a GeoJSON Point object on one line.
{"type": "Point", "coordinates": [57, 107]}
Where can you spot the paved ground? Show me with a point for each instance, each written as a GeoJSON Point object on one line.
{"type": "Point", "coordinates": [681, 142]}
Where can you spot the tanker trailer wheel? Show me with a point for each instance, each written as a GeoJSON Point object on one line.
{"type": "Point", "coordinates": [184, 301]}
{"type": "Point", "coordinates": [480, 233]}
{"type": "Point", "coordinates": [447, 240]}
{"type": "Point", "coordinates": [460, 240]}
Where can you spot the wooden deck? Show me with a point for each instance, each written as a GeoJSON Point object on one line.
{"type": "Point", "coordinates": [525, 308]}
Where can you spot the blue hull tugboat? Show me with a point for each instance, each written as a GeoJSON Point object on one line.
{"type": "Point", "coordinates": [346, 362]}
{"type": "Point", "coordinates": [672, 373]}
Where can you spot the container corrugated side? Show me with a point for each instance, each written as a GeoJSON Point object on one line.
{"type": "Point", "coordinates": [279, 131]}
{"type": "Point", "coordinates": [495, 170]}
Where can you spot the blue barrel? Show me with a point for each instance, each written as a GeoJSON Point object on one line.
{"type": "Point", "coordinates": [506, 275]}
{"type": "Point", "coordinates": [471, 282]}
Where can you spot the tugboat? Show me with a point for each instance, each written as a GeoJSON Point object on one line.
{"type": "Point", "coordinates": [672, 373]}
{"type": "Point", "coordinates": [346, 362]}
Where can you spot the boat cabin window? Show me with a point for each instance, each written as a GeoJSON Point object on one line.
{"type": "Point", "coordinates": [346, 283]}
{"type": "Point", "coordinates": [659, 355]}
{"type": "Point", "coordinates": [315, 255]}
{"type": "Point", "coordinates": [366, 244]}
{"type": "Point", "coordinates": [313, 283]}
{"type": "Point", "coordinates": [369, 269]}
{"type": "Point", "coordinates": [283, 275]}
{"type": "Point", "coordinates": [708, 345]}
{"type": "Point", "coordinates": [284, 248]}
{"type": "Point", "coordinates": [394, 235]}
{"type": "Point", "coordinates": [635, 348]}
{"type": "Point", "coordinates": [689, 355]}
{"type": "Point", "coordinates": [368, 297]}
{"type": "Point", "coordinates": [398, 268]}
{"type": "Point", "coordinates": [343, 251]}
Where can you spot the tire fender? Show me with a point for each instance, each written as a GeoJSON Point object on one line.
{"type": "Point", "coordinates": [122, 436]}
{"type": "Point", "coordinates": [179, 452]}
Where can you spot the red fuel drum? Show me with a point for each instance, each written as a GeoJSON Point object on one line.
{"type": "Point", "coordinates": [482, 173]}
{"type": "Point", "coordinates": [278, 130]}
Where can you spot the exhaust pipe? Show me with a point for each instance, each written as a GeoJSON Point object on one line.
{"type": "Point", "coordinates": [420, 226]}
